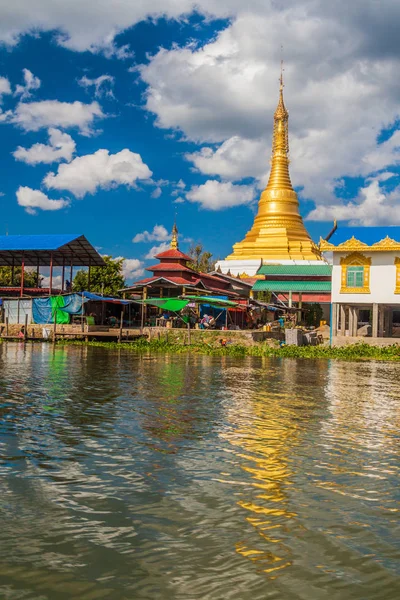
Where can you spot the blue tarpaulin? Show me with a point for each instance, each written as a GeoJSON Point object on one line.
{"type": "Point", "coordinates": [43, 308]}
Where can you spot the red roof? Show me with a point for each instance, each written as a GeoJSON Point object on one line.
{"type": "Point", "coordinates": [167, 266]}
{"type": "Point", "coordinates": [171, 253]}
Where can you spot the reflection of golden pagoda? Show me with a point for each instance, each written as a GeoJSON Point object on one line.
{"type": "Point", "coordinates": [278, 233]}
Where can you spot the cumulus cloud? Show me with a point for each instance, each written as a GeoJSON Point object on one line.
{"type": "Point", "coordinates": [31, 83]}
{"type": "Point", "coordinates": [32, 200]}
{"type": "Point", "coordinates": [156, 193]}
{"type": "Point", "coordinates": [157, 250]}
{"type": "Point", "coordinates": [132, 268]}
{"type": "Point", "coordinates": [85, 174]}
{"type": "Point", "coordinates": [32, 116]}
{"type": "Point", "coordinates": [81, 28]}
{"type": "Point", "coordinates": [216, 195]}
{"type": "Point", "coordinates": [5, 87]}
{"type": "Point", "coordinates": [102, 85]}
{"type": "Point", "coordinates": [159, 234]}
{"type": "Point", "coordinates": [61, 146]}
{"type": "Point", "coordinates": [372, 207]}
{"type": "Point", "coordinates": [225, 92]}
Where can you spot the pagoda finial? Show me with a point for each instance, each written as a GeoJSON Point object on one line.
{"type": "Point", "coordinates": [174, 239]}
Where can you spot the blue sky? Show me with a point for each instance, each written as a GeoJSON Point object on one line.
{"type": "Point", "coordinates": [112, 121]}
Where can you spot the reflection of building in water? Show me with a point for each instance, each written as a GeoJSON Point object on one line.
{"type": "Point", "coordinates": [174, 403]}
{"type": "Point", "coordinates": [267, 413]}
{"type": "Point", "coordinates": [367, 396]}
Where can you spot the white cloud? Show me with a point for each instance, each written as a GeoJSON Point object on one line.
{"type": "Point", "coordinates": [372, 207]}
{"type": "Point", "coordinates": [157, 250]}
{"type": "Point", "coordinates": [132, 268]}
{"type": "Point", "coordinates": [103, 85]}
{"type": "Point", "coordinates": [216, 195]}
{"type": "Point", "coordinates": [156, 193]}
{"type": "Point", "coordinates": [55, 283]}
{"type": "Point", "coordinates": [86, 174]}
{"type": "Point", "coordinates": [5, 87]}
{"type": "Point", "coordinates": [79, 27]}
{"type": "Point", "coordinates": [32, 200]}
{"type": "Point", "coordinates": [31, 82]}
{"type": "Point", "coordinates": [61, 146]}
{"type": "Point", "coordinates": [32, 116]}
{"type": "Point", "coordinates": [159, 234]}
{"type": "Point", "coordinates": [225, 92]}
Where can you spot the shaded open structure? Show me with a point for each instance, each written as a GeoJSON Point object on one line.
{"type": "Point", "coordinates": [65, 250]}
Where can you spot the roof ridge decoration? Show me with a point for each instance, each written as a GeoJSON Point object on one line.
{"type": "Point", "coordinates": [387, 244]}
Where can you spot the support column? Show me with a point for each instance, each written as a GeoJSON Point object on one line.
{"type": "Point", "coordinates": [390, 322]}
{"type": "Point", "coordinates": [334, 319]}
{"type": "Point", "coordinates": [290, 299]}
{"type": "Point", "coordinates": [342, 320]}
{"type": "Point", "coordinates": [355, 321]}
{"type": "Point", "coordinates": [351, 321]}
{"type": "Point", "coordinates": [51, 273]}
{"type": "Point", "coordinates": [375, 312]}
{"type": "Point", "coordinates": [89, 273]}
{"type": "Point", "coordinates": [381, 320]}
{"type": "Point", "coordinates": [300, 306]}
{"type": "Point", "coordinates": [63, 276]}
{"type": "Point", "coordinates": [22, 275]}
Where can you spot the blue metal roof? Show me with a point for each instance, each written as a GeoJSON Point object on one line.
{"type": "Point", "coordinates": [367, 235]}
{"type": "Point", "coordinates": [36, 242]}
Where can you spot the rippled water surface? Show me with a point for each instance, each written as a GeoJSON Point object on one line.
{"type": "Point", "coordinates": [185, 477]}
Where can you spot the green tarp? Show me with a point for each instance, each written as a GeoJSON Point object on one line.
{"type": "Point", "coordinates": [58, 302]}
{"type": "Point", "coordinates": [218, 302]}
{"type": "Point", "coordinates": [173, 304]}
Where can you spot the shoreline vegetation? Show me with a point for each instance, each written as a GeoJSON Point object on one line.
{"type": "Point", "coordinates": [359, 351]}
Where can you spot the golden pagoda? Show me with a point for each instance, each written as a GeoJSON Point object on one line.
{"type": "Point", "coordinates": [278, 231]}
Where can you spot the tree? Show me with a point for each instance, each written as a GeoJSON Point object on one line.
{"type": "Point", "coordinates": [201, 260]}
{"type": "Point", "coordinates": [105, 280]}
{"type": "Point", "coordinates": [31, 279]}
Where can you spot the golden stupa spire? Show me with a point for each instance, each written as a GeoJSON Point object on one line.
{"type": "Point", "coordinates": [174, 240]}
{"type": "Point", "coordinates": [278, 231]}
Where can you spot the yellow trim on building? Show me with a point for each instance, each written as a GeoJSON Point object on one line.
{"type": "Point", "coordinates": [397, 263]}
{"type": "Point", "coordinates": [354, 245]}
{"type": "Point", "coordinates": [359, 260]}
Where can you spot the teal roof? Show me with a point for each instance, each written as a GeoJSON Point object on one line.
{"type": "Point", "coordinates": [297, 270]}
{"type": "Point", "coordinates": [291, 286]}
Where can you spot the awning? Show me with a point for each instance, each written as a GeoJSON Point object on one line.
{"type": "Point", "coordinates": [172, 304]}
{"type": "Point", "coordinates": [213, 301]}
{"type": "Point", "coordinates": [97, 298]}
{"type": "Point", "coordinates": [292, 286]}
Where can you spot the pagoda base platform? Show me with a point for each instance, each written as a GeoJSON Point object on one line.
{"type": "Point", "coordinates": [250, 267]}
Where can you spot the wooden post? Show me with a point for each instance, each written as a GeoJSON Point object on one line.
{"type": "Point", "coordinates": [120, 326]}
{"type": "Point", "coordinates": [89, 273]}
{"type": "Point", "coordinates": [54, 325]}
{"type": "Point", "coordinates": [63, 275]}
{"type": "Point", "coordinates": [26, 328]}
{"type": "Point", "coordinates": [290, 299]}
{"type": "Point", "coordinates": [188, 328]}
{"type": "Point", "coordinates": [51, 273]}
{"type": "Point", "coordinates": [71, 273]}
{"type": "Point", "coordinates": [22, 275]}
{"type": "Point", "coordinates": [37, 274]}
{"type": "Point", "coordinates": [300, 306]}
{"type": "Point", "coordinates": [12, 272]}
{"type": "Point", "coordinates": [18, 301]}
{"type": "Point", "coordinates": [144, 297]}
{"type": "Point", "coordinates": [7, 326]}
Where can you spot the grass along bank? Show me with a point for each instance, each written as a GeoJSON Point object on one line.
{"type": "Point", "coordinates": [359, 351]}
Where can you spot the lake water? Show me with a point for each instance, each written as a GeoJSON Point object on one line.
{"type": "Point", "coordinates": [195, 477]}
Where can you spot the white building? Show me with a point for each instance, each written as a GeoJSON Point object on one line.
{"type": "Point", "coordinates": [365, 281]}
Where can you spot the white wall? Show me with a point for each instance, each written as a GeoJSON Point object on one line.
{"type": "Point", "coordinates": [382, 280]}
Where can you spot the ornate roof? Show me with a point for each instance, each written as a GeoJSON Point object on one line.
{"type": "Point", "coordinates": [387, 244]}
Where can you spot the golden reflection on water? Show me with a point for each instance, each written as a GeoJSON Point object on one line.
{"type": "Point", "coordinates": [264, 434]}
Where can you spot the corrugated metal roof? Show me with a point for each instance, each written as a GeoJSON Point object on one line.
{"type": "Point", "coordinates": [41, 249]}
{"type": "Point", "coordinates": [320, 270]}
{"type": "Point", "coordinates": [36, 242]}
{"type": "Point", "coordinates": [367, 235]}
{"type": "Point", "coordinates": [292, 286]}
